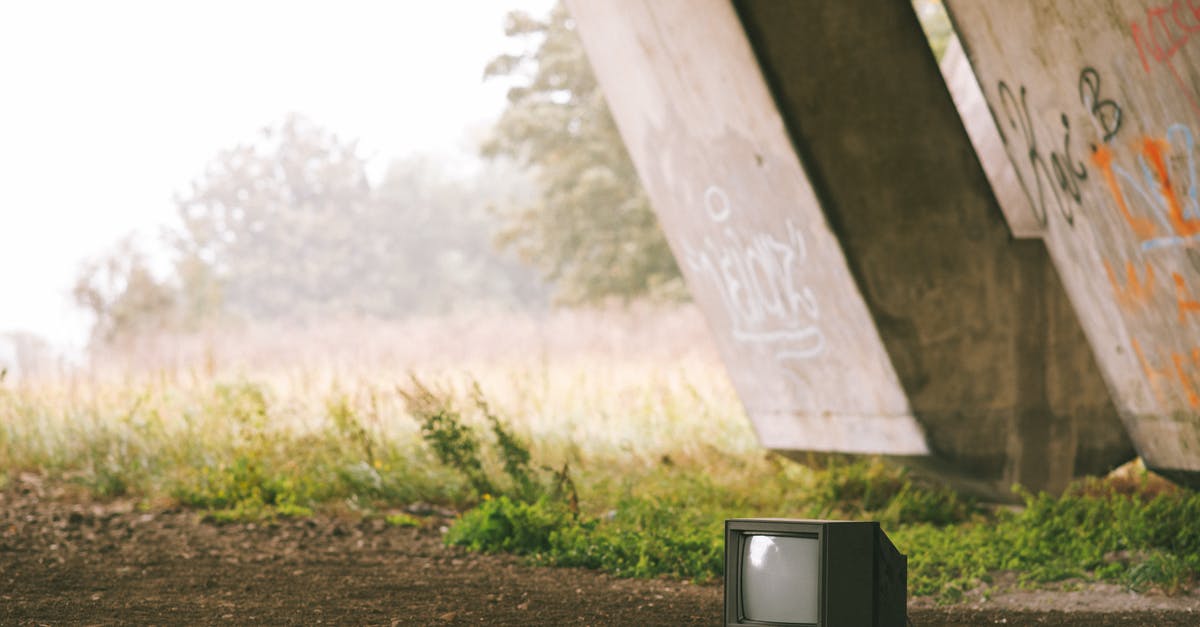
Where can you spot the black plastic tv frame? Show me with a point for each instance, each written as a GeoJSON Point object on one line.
{"type": "Point", "coordinates": [861, 580]}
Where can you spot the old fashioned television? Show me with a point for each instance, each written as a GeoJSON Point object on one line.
{"type": "Point", "coordinates": [813, 573]}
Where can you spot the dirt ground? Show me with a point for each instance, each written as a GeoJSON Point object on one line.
{"type": "Point", "coordinates": [68, 562]}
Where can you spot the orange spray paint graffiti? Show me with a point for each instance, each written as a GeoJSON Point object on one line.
{"type": "Point", "coordinates": [1168, 219]}
{"type": "Point", "coordinates": [1182, 370]}
{"type": "Point", "coordinates": [1183, 300]}
{"type": "Point", "coordinates": [1155, 149]}
{"type": "Point", "coordinates": [1143, 228]}
{"type": "Point", "coordinates": [1135, 291]}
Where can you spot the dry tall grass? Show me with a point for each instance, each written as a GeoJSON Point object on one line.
{"type": "Point", "coordinates": [595, 388]}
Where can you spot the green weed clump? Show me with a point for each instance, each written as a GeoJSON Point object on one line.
{"type": "Point", "coordinates": [245, 490]}
{"type": "Point", "coordinates": [640, 539]}
{"type": "Point", "coordinates": [455, 444]}
{"type": "Point", "coordinates": [402, 520]}
{"type": "Point", "coordinates": [671, 523]}
{"type": "Point", "coordinates": [536, 512]}
{"type": "Point", "coordinates": [668, 521]}
{"type": "Point", "coordinates": [645, 538]}
{"type": "Point", "coordinates": [1091, 533]}
{"type": "Point", "coordinates": [872, 489]}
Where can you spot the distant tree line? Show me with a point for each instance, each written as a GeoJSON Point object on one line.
{"type": "Point", "coordinates": [289, 226]}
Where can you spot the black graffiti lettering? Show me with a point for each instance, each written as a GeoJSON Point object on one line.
{"type": "Point", "coordinates": [1067, 175]}
{"type": "Point", "coordinates": [1008, 103]}
{"type": "Point", "coordinates": [1107, 112]}
{"type": "Point", "coordinates": [1016, 112]}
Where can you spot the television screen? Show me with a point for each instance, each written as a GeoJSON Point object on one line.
{"type": "Point", "coordinates": [780, 578]}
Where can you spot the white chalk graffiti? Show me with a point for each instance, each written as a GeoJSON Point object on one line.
{"type": "Point", "coordinates": [756, 275]}
{"type": "Point", "coordinates": [716, 202]}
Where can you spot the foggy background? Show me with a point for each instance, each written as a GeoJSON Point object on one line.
{"type": "Point", "coordinates": [181, 177]}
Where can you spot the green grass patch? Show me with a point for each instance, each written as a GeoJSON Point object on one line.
{"type": "Point", "coordinates": [633, 474]}
{"type": "Point", "coordinates": [642, 539]}
{"type": "Point", "coordinates": [1089, 533]}
{"type": "Point", "coordinates": [669, 521]}
{"type": "Point", "coordinates": [402, 520]}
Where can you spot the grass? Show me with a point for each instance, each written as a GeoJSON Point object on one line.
{"type": "Point", "coordinates": [327, 430]}
{"type": "Point", "coordinates": [1092, 533]}
{"type": "Point", "coordinates": [626, 457]}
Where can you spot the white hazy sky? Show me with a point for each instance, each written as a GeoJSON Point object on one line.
{"type": "Point", "coordinates": [108, 109]}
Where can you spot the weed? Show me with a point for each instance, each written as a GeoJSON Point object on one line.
{"type": "Point", "coordinates": [1079, 535]}
{"type": "Point", "coordinates": [442, 428]}
{"type": "Point", "coordinates": [670, 523]}
{"type": "Point", "coordinates": [243, 403]}
{"type": "Point", "coordinates": [347, 426]}
{"type": "Point", "coordinates": [647, 540]}
{"type": "Point", "coordinates": [502, 524]}
{"type": "Point", "coordinates": [245, 490]}
{"type": "Point", "coordinates": [513, 452]}
{"type": "Point", "coordinates": [1164, 570]}
{"type": "Point", "coordinates": [937, 505]}
{"type": "Point", "coordinates": [402, 520]}
{"type": "Point", "coordinates": [863, 487]}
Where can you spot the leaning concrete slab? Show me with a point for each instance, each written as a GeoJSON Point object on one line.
{"type": "Point", "coordinates": [829, 215]}
{"type": "Point", "coordinates": [1098, 103]}
{"type": "Point", "coordinates": [987, 141]}
{"type": "Point", "coordinates": [745, 225]}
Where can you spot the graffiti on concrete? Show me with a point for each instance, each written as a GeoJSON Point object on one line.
{"type": "Point", "coordinates": [1167, 29]}
{"type": "Point", "coordinates": [1162, 208]}
{"type": "Point", "coordinates": [1105, 111]}
{"type": "Point", "coordinates": [1160, 205]}
{"type": "Point", "coordinates": [1178, 370]}
{"type": "Point", "coordinates": [1057, 178]}
{"type": "Point", "coordinates": [1033, 171]}
{"type": "Point", "coordinates": [1152, 182]}
{"type": "Point", "coordinates": [1135, 291]}
{"type": "Point", "coordinates": [1184, 302]}
{"type": "Point", "coordinates": [758, 278]}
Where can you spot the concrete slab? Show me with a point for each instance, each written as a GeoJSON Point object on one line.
{"type": "Point", "coordinates": [1098, 103]}
{"type": "Point", "coordinates": [830, 217]}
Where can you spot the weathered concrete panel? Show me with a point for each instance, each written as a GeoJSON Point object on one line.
{"type": "Point", "coordinates": [745, 225]}
{"type": "Point", "coordinates": [1098, 102]}
{"type": "Point", "coordinates": [978, 327]}
{"type": "Point", "coordinates": [985, 138]}
{"type": "Point", "coordinates": [941, 339]}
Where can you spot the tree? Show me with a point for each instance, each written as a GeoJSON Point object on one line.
{"type": "Point", "coordinates": [591, 229]}
{"type": "Point", "coordinates": [291, 227]}
{"type": "Point", "coordinates": [272, 223]}
{"type": "Point", "coordinates": [124, 296]}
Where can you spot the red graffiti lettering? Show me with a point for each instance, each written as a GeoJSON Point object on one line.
{"type": "Point", "coordinates": [1167, 29]}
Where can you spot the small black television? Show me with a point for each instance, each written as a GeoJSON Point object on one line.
{"type": "Point", "coordinates": [813, 573]}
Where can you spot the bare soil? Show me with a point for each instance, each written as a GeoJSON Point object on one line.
{"type": "Point", "coordinates": [67, 561]}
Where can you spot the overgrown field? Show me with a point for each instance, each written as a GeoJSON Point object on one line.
{"type": "Point", "coordinates": [624, 450]}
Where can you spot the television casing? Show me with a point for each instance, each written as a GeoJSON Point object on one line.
{"type": "Point", "coordinates": [863, 579]}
